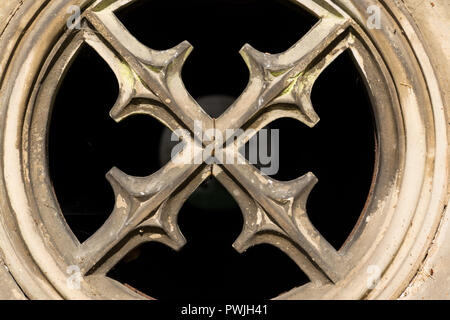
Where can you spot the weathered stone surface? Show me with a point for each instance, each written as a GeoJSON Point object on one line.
{"type": "Point", "coordinates": [433, 17]}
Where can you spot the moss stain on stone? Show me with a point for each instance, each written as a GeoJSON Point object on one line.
{"type": "Point", "coordinates": [103, 5]}
{"type": "Point", "coordinates": [293, 80]}
{"type": "Point", "coordinates": [278, 72]}
{"type": "Point", "coordinates": [126, 73]}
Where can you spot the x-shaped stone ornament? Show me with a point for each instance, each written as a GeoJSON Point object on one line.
{"type": "Point", "coordinates": [150, 83]}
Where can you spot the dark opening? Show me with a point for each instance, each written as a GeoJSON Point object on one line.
{"type": "Point", "coordinates": [85, 143]}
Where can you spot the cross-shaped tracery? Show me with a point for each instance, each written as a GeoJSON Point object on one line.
{"type": "Point", "coordinates": [280, 86]}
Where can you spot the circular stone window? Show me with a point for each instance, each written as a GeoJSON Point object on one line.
{"type": "Point", "coordinates": [359, 149]}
